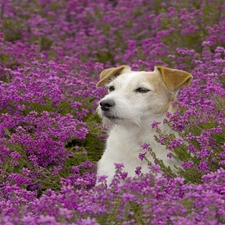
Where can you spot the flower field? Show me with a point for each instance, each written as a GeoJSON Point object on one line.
{"type": "Point", "coordinates": [51, 55]}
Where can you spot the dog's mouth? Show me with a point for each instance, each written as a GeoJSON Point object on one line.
{"type": "Point", "coordinates": [111, 117]}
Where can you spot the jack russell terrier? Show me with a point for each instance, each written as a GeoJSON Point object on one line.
{"type": "Point", "coordinates": [135, 100]}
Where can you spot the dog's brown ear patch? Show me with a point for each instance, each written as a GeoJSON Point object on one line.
{"type": "Point", "coordinates": [111, 72]}
{"type": "Point", "coordinates": [175, 79]}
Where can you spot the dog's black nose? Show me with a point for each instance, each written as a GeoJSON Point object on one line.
{"type": "Point", "coordinates": [107, 104]}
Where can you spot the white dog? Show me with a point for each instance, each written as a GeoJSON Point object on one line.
{"type": "Point", "coordinates": [135, 100]}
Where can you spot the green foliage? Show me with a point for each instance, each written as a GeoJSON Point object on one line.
{"type": "Point", "coordinates": [45, 44]}
{"type": "Point", "coordinates": [12, 30]}
{"type": "Point", "coordinates": [91, 144]}
{"type": "Point", "coordinates": [104, 57]}
{"type": "Point", "coordinates": [4, 58]}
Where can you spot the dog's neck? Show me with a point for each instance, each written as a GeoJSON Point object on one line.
{"type": "Point", "coordinates": [130, 137]}
{"type": "Point", "coordinates": [143, 125]}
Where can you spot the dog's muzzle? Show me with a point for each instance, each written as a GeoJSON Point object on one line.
{"type": "Point", "coordinates": [107, 104]}
{"type": "Point", "coordinates": [107, 107]}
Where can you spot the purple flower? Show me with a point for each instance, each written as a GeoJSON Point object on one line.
{"type": "Point", "coordinates": [145, 146]}
{"type": "Point", "coordinates": [138, 170]}
{"type": "Point", "coordinates": [142, 155]}
{"type": "Point", "coordinates": [155, 124]}
{"type": "Point", "coordinates": [15, 155]}
{"type": "Point", "coordinates": [119, 165]}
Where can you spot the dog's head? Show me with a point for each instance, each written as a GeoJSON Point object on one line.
{"type": "Point", "coordinates": [134, 96]}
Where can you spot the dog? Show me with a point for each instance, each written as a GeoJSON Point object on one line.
{"type": "Point", "coordinates": [134, 101]}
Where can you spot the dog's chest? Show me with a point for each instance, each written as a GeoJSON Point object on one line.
{"type": "Point", "coordinates": [124, 146]}
{"type": "Point", "coordinates": [130, 141]}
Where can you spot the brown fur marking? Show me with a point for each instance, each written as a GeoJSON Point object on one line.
{"type": "Point", "coordinates": [175, 79]}
{"type": "Point", "coordinates": [109, 73]}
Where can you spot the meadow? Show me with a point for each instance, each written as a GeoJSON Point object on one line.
{"type": "Point", "coordinates": [51, 55]}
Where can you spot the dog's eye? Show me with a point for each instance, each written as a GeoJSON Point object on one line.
{"type": "Point", "coordinates": [141, 90]}
{"type": "Point", "coordinates": [111, 88]}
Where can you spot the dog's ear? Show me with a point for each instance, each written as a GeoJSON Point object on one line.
{"type": "Point", "coordinates": [175, 79]}
{"type": "Point", "coordinates": [111, 72]}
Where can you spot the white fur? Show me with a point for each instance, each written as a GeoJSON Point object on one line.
{"type": "Point", "coordinates": [134, 112]}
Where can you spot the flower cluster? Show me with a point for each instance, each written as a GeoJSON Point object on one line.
{"type": "Point", "coordinates": [51, 53]}
{"type": "Point", "coordinates": [143, 200]}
